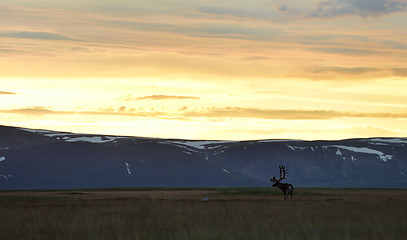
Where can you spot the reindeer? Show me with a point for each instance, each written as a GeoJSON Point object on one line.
{"type": "Point", "coordinates": [285, 187]}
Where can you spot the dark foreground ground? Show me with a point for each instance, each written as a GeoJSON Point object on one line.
{"type": "Point", "coordinates": [248, 213]}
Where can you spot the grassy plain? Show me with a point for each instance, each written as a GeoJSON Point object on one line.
{"type": "Point", "coordinates": [236, 213]}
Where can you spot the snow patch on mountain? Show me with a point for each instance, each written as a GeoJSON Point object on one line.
{"type": "Point", "coordinates": [88, 139]}
{"type": "Point", "coordinates": [72, 137]}
{"type": "Point", "coordinates": [2, 159]}
{"type": "Point", "coordinates": [381, 155]}
{"type": "Point", "coordinates": [6, 176]}
{"type": "Point", "coordinates": [378, 143]}
{"type": "Point", "coordinates": [58, 134]}
{"type": "Point", "coordinates": [389, 140]}
{"type": "Point", "coordinates": [214, 146]}
{"type": "Point", "coordinates": [198, 144]}
{"type": "Point", "coordinates": [38, 131]}
{"type": "Point", "coordinates": [276, 140]}
{"type": "Point", "coordinates": [186, 147]}
{"type": "Point", "coordinates": [93, 139]}
{"type": "Point", "coordinates": [296, 148]}
{"type": "Point", "coordinates": [128, 168]}
{"type": "Point", "coordinates": [193, 144]}
{"type": "Point", "coordinates": [7, 148]}
{"type": "Point", "coordinates": [226, 171]}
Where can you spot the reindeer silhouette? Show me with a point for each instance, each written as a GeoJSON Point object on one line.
{"type": "Point", "coordinates": [287, 188]}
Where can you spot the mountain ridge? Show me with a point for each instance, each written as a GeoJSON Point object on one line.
{"type": "Point", "coordinates": [36, 158]}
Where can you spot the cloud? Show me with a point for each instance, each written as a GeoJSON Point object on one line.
{"type": "Point", "coordinates": [237, 112]}
{"type": "Point", "coordinates": [36, 35]}
{"type": "Point", "coordinates": [346, 73]}
{"type": "Point", "coordinates": [345, 70]}
{"type": "Point", "coordinates": [361, 8]}
{"type": "Point", "coordinates": [35, 111]}
{"type": "Point", "coordinates": [227, 112]}
{"type": "Point", "coordinates": [268, 92]}
{"type": "Point", "coordinates": [332, 72]}
{"type": "Point", "coordinates": [121, 111]}
{"type": "Point", "coordinates": [282, 7]}
{"type": "Point", "coordinates": [160, 42]}
{"type": "Point", "coordinates": [400, 72]}
{"type": "Point", "coordinates": [160, 97]}
{"type": "Point", "coordinates": [254, 58]}
{"type": "Point", "coordinates": [6, 50]}
{"type": "Point", "coordinates": [3, 92]}
{"type": "Point", "coordinates": [281, 13]}
{"type": "Point", "coordinates": [286, 114]}
{"type": "Point", "coordinates": [345, 51]}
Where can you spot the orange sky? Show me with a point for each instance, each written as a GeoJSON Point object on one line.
{"type": "Point", "coordinates": [228, 70]}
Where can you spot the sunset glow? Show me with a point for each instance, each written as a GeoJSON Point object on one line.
{"type": "Point", "coordinates": [232, 70]}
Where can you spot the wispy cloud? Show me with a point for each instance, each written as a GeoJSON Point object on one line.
{"type": "Point", "coordinates": [400, 72]}
{"type": "Point", "coordinates": [345, 70]}
{"type": "Point", "coordinates": [121, 111]}
{"type": "Point", "coordinates": [237, 112]}
{"type": "Point", "coordinates": [4, 50]}
{"type": "Point", "coordinates": [349, 73]}
{"type": "Point", "coordinates": [361, 8]}
{"type": "Point", "coordinates": [332, 72]}
{"type": "Point", "coordinates": [169, 39]}
{"type": "Point", "coordinates": [35, 111]}
{"type": "Point", "coordinates": [7, 93]}
{"type": "Point", "coordinates": [268, 92]}
{"type": "Point", "coordinates": [36, 35]}
{"type": "Point", "coordinates": [286, 114]}
{"type": "Point", "coordinates": [282, 7]}
{"type": "Point", "coordinates": [160, 97]}
{"type": "Point", "coordinates": [228, 112]}
{"type": "Point", "coordinates": [356, 51]}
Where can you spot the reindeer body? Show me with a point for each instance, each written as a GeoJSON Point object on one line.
{"type": "Point", "coordinates": [287, 188]}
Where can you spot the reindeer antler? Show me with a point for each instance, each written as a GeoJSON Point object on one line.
{"type": "Point", "coordinates": [283, 172]}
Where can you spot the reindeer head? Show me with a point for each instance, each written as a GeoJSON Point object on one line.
{"type": "Point", "coordinates": [273, 180]}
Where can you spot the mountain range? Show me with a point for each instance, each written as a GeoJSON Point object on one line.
{"type": "Point", "coordinates": [43, 159]}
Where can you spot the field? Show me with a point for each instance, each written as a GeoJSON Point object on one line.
{"type": "Point", "coordinates": [244, 213]}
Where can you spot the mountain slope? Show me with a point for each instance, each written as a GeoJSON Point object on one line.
{"type": "Point", "coordinates": [47, 159]}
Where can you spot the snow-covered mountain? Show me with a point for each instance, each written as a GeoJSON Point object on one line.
{"type": "Point", "coordinates": [48, 159]}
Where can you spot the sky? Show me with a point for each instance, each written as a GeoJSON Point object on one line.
{"type": "Point", "coordinates": [218, 70]}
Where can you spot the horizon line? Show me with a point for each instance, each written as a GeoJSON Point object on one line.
{"type": "Point", "coordinates": [186, 139]}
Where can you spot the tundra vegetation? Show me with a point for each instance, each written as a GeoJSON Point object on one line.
{"type": "Point", "coordinates": [216, 213]}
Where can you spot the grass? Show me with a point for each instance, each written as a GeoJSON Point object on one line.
{"type": "Point", "coordinates": [246, 213]}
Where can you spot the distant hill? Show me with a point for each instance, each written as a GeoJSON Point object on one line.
{"type": "Point", "coordinates": [42, 159]}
